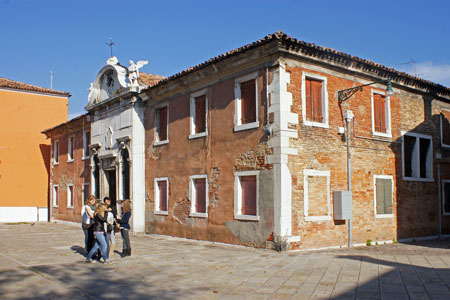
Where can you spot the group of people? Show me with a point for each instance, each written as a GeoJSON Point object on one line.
{"type": "Point", "coordinates": [100, 223]}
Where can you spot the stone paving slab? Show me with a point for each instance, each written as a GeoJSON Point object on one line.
{"type": "Point", "coordinates": [46, 261]}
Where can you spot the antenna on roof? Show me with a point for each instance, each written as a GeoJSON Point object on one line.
{"type": "Point", "coordinates": [412, 62]}
{"type": "Point", "coordinates": [51, 79]}
{"type": "Point", "coordinates": [111, 44]}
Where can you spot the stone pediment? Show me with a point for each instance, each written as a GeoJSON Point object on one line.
{"type": "Point", "coordinates": [113, 80]}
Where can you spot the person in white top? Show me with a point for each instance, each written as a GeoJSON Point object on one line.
{"type": "Point", "coordinates": [87, 215]}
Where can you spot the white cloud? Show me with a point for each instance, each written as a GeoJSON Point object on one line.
{"type": "Point", "coordinates": [431, 71]}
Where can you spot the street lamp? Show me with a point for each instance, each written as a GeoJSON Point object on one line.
{"type": "Point", "coordinates": [347, 93]}
{"type": "Point", "coordinates": [344, 95]}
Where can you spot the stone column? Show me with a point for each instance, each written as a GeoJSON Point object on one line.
{"type": "Point", "coordinates": [280, 106]}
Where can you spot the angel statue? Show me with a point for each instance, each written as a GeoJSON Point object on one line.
{"type": "Point", "coordinates": [133, 70]}
{"type": "Point", "coordinates": [93, 94]}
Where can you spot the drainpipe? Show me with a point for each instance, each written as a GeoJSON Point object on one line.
{"type": "Point", "coordinates": [438, 156]}
{"type": "Point", "coordinates": [348, 118]}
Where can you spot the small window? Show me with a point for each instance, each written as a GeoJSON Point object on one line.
{"type": "Point", "coordinates": [161, 195]}
{"type": "Point", "coordinates": [246, 195]}
{"type": "Point", "coordinates": [162, 125]}
{"type": "Point", "coordinates": [383, 196]}
{"type": "Point", "coordinates": [316, 193]}
{"type": "Point", "coordinates": [70, 149]}
{"type": "Point", "coordinates": [246, 97]}
{"type": "Point", "coordinates": [380, 114]}
{"type": "Point", "coordinates": [85, 192]}
{"type": "Point", "coordinates": [417, 157]}
{"type": "Point", "coordinates": [446, 197]}
{"type": "Point", "coordinates": [70, 195]}
{"type": "Point", "coordinates": [86, 143]}
{"type": "Point", "coordinates": [199, 195]}
{"type": "Point", "coordinates": [199, 113]}
{"type": "Point", "coordinates": [314, 100]}
{"type": "Point", "coordinates": [55, 195]}
{"type": "Point", "coordinates": [56, 152]}
{"type": "Point", "coordinates": [445, 128]}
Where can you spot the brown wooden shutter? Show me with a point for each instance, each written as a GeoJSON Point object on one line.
{"type": "Point", "coordinates": [316, 95]}
{"type": "Point", "coordinates": [200, 114]}
{"type": "Point", "coordinates": [308, 100]}
{"type": "Point", "coordinates": [162, 123]}
{"type": "Point", "coordinates": [248, 101]}
{"type": "Point", "coordinates": [445, 117]}
{"type": "Point", "coordinates": [379, 183]}
{"type": "Point", "coordinates": [162, 186]}
{"type": "Point", "coordinates": [388, 203]}
{"type": "Point", "coordinates": [200, 195]}
{"type": "Point", "coordinates": [384, 196]}
{"type": "Point", "coordinates": [313, 100]}
{"type": "Point", "coordinates": [248, 187]}
{"type": "Point", "coordinates": [379, 114]}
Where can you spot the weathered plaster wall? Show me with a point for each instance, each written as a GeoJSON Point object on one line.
{"type": "Point", "coordinates": [218, 155]}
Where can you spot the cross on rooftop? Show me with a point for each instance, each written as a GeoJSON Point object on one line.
{"type": "Point", "coordinates": [111, 44]}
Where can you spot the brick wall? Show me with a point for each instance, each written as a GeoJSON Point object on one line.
{"type": "Point", "coordinates": [76, 172]}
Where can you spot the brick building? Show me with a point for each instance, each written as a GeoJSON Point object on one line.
{"type": "Point", "coordinates": [70, 176]}
{"type": "Point", "coordinates": [25, 111]}
{"type": "Point", "coordinates": [248, 147]}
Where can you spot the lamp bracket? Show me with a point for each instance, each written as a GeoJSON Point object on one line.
{"type": "Point", "coordinates": [347, 93]}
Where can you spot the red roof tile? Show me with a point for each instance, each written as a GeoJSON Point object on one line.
{"type": "Point", "coordinates": [150, 79]}
{"type": "Point", "coordinates": [16, 85]}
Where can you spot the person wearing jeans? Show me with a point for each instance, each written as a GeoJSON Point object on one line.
{"type": "Point", "coordinates": [125, 227]}
{"type": "Point", "coordinates": [99, 233]}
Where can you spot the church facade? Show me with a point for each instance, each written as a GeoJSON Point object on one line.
{"type": "Point", "coordinates": [253, 147]}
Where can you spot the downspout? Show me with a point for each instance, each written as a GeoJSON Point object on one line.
{"type": "Point", "coordinates": [50, 219]}
{"type": "Point", "coordinates": [440, 201]}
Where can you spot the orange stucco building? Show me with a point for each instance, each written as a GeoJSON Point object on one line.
{"type": "Point", "coordinates": [25, 111]}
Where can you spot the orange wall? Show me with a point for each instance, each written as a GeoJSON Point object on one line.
{"type": "Point", "coordinates": [24, 150]}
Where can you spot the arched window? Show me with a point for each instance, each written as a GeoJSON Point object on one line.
{"type": "Point", "coordinates": [125, 174]}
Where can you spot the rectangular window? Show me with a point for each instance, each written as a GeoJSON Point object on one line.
{"type": "Point", "coordinates": [417, 157]}
{"type": "Point", "coordinates": [86, 143]}
{"type": "Point", "coordinates": [446, 197]}
{"type": "Point", "coordinates": [55, 195]}
{"type": "Point", "coordinates": [70, 149]}
{"type": "Point", "coordinates": [70, 195]}
{"type": "Point", "coordinates": [246, 97]}
{"type": "Point", "coordinates": [445, 128]}
{"type": "Point", "coordinates": [161, 196]}
{"type": "Point", "coordinates": [383, 196]}
{"type": "Point", "coordinates": [85, 192]}
{"type": "Point", "coordinates": [162, 116]}
{"type": "Point", "coordinates": [199, 113]}
{"type": "Point", "coordinates": [246, 195]}
{"type": "Point", "coordinates": [314, 100]}
{"type": "Point", "coordinates": [316, 193]}
{"type": "Point", "coordinates": [381, 115]}
{"type": "Point", "coordinates": [199, 195]}
{"type": "Point", "coordinates": [56, 152]}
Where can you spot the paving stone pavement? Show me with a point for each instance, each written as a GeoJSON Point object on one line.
{"type": "Point", "coordinates": [46, 261]}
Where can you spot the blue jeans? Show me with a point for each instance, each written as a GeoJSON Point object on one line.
{"type": "Point", "coordinates": [99, 243]}
{"type": "Point", "coordinates": [108, 241]}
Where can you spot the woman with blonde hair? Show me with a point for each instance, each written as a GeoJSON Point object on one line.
{"type": "Point", "coordinates": [87, 215]}
{"type": "Point", "coordinates": [125, 227]}
{"type": "Point", "coordinates": [99, 233]}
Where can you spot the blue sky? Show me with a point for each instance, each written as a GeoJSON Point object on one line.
{"type": "Point", "coordinates": [68, 37]}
